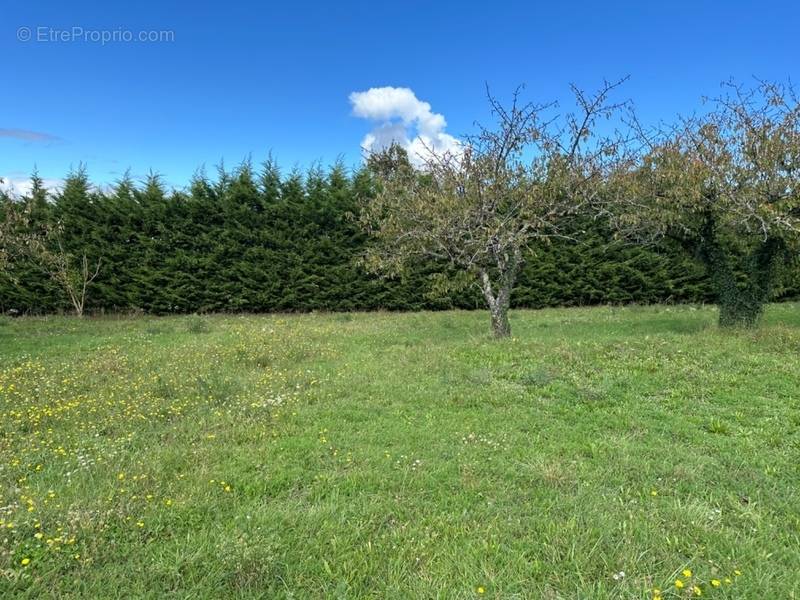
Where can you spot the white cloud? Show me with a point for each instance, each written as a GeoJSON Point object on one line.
{"type": "Point", "coordinates": [19, 186]}
{"type": "Point", "coordinates": [401, 118]}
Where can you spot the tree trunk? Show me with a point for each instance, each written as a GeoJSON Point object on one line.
{"type": "Point", "coordinates": [501, 328]}
{"type": "Point", "coordinates": [741, 304]}
{"type": "Point", "coordinates": [739, 312]}
{"type": "Point", "coordinates": [737, 306]}
{"type": "Point", "coordinates": [498, 302]}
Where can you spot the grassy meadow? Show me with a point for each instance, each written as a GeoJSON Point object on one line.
{"type": "Point", "coordinates": [599, 453]}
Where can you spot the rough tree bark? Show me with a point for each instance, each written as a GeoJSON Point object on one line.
{"type": "Point", "coordinates": [498, 297]}
{"type": "Point", "coordinates": [498, 303]}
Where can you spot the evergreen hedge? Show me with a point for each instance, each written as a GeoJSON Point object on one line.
{"type": "Point", "coordinates": [262, 242]}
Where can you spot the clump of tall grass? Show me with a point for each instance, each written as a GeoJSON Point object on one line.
{"type": "Point", "coordinates": [197, 324]}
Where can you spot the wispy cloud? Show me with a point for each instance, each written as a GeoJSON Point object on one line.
{"type": "Point", "coordinates": [28, 136]}
{"type": "Point", "coordinates": [402, 118]}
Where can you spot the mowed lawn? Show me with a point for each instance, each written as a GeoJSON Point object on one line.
{"type": "Point", "coordinates": [597, 454]}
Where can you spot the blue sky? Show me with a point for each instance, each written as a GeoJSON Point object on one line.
{"type": "Point", "coordinates": [244, 78]}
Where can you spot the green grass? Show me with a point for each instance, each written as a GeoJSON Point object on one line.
{"type": "Point", "coordinates": [400, 456]}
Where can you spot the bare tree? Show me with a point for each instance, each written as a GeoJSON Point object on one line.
{"type": "Point", "coordinates": [725, 184]}
{"type": "Point", "coordinates": [72, 273]}
{"type": "Point", "coordinates": [481, 209]}
{"type": "Point", "coordinates": [42, 243]}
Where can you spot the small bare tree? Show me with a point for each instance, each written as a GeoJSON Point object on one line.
{"type": "Point", "coordinates": [481, 209]}
{"type": "Point", "coordinates": [72, 273]}
{"type": "Point", "coordinates": [42, 243]}
{"type": "Point", "coordinates": [725, 184]}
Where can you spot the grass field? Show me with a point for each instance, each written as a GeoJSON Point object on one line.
{"type": "Point", "coordinates": [401, 456]}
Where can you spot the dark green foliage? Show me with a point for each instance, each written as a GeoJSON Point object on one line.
{"type": "Point", "coordinates": [743, 278]}
{"type": "Point", "coordinates": [255, 241]}
{"type": "Point", "coordinates": [24, 285]}
{"type": "Point", "coordinates": [594, 269]}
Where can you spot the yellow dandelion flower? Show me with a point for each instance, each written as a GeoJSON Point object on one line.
{"type": "Point", "coordinates": [25, 561]}
{"type": "Point", "coordinates": [716, 582]}
{"type": "Point", "coordinates": [697, 591]}
{"type": "Point", "coordinates": [728, 580]}
{"type": "Point", "coordinates": [737, 572]}
{"type": "Point", "coordinates": [679, 584]}
{"type": "Point", "coordinates": [38, 535]}
{"type": "Point", "coordinates": [654, 492]}
{"type": "Point", "coordinates": [687, 572]}
{"type": "Point", "coordinates": [481, 590]}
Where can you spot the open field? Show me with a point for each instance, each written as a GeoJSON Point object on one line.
{"type": "Point", "coordinates": [401, 456]}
